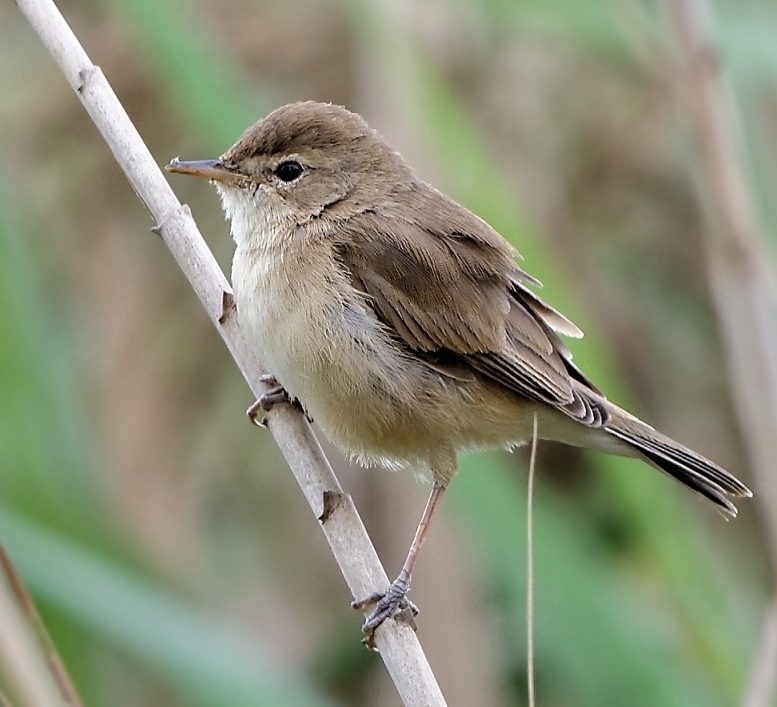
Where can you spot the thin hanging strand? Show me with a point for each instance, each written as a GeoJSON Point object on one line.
{"type": "Point", "coordinates": [530, 568]}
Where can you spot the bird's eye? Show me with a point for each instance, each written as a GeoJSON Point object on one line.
{"type": "Point", "coordinates": [288, 171]}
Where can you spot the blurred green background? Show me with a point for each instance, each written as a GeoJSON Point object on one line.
{"type": "Point", "coordinates": [171, 553]}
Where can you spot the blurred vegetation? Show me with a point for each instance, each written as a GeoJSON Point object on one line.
{"type": "Point", "coordinates": [172, 556]}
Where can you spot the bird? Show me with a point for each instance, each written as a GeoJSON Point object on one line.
{"type": "Point", "coordinates": [401, 322]}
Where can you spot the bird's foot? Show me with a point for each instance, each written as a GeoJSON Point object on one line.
{"type": "Point", "coordinates": [274, 395]}
{"type": "Point", "coordinates": [393, 603]}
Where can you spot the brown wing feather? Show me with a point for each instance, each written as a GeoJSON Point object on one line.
{"type": "Point", "coordinates": [456, 292]}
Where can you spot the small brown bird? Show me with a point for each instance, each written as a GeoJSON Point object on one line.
{"type": "Point", "coordinates": [400, 320]}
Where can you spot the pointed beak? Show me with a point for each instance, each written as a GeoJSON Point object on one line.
{"type": "Point", "coordinates": [208, 169]}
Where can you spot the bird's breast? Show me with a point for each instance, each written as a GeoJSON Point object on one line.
{"type": "Point", "coordinates": [320, 340]}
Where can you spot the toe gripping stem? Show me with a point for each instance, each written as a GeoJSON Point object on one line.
{"type": "Point", "coordinates": [393, 603]}
{"type": "Point", "coordinates": [275, 394]}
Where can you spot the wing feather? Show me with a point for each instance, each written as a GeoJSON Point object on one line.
{"type": "Point", "coordinates": [454, 292]}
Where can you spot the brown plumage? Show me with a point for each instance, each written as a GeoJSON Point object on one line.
{"type": "Point", "coordinates": [399, 319]}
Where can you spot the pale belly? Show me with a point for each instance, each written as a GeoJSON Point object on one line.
{"type": "Point", "coordinates": [333, 356]}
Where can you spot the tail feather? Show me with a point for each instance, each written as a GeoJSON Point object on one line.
{"type": "Point", "coordinates": [685, 465]}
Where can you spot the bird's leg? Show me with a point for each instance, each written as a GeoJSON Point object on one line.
{"type": "Point", "coordinates": [394, 602]}
{"type": "Point", "coordinates": [276, 394]}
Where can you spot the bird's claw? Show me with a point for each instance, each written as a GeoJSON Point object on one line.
{"type": "Point", "coordinates": [393, 603]}
{"type": "Point", "coordinates": [267, 400]}
{"type": "Point", "coordinates": [276, 394]}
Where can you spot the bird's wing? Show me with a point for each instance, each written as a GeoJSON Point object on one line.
{"type": "Point", "coordinates": [455, 294]}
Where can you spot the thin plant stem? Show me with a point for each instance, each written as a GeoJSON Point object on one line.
{"type": "Point", "coordinates": [45, 644]}
{"type": "Point", "coordinates": [23, 668]}
{"type": "Point", "coordinates": [741, 274]}
{"type": "Point", "coordinates": [530, 568]}
{"type": "Point", "coordinates": [743, 284]}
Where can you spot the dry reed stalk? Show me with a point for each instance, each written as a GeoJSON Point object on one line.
{"type": "Point", "coordinates": [742, 282]}
{"type": "Point", "coordinates": [398, 645]}
{"type": "Point", "coordinates": [24, 663]}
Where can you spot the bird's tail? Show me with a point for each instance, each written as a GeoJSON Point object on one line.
{"type": "Point", "coordinates": [678, 461]}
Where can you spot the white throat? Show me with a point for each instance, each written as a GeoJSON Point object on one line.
{"type": "Point", "coordinates": [259, 218]}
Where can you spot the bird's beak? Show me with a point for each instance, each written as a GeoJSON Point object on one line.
{"type": "Point", "coordinates": [208, 169]}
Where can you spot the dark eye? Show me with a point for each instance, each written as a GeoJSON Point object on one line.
{"type": "Point", "coordinates": [288, 171]}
